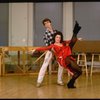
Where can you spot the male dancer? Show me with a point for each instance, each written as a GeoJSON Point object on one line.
{"type": "Point", "coordinates": [48, 39]}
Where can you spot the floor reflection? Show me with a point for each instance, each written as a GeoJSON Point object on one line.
{"type": "Point", "coordinates": [25, 87]}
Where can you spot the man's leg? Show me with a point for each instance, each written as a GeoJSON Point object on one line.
{"type": "Point", "coordinates": [60, 74]}
{"type": "Point", "coordinates": [44, 66]}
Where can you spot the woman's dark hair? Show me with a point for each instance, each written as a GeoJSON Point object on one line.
{"type": "Point", "coordinates": [45, 20]}
{"type": "Point", "coordinates": [58, 33]}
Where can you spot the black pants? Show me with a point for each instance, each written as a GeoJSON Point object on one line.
{"type": "Point", "coordinates": [73, 64]}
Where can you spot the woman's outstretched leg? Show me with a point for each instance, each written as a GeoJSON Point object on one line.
{"type": "Point", "coordinates": [76, 30]}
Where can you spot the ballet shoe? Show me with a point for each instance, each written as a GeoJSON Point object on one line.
{"type": "Point", "coordinates": [69, 86]}
{"type": "Point", "coordinates": [60, 83]}
{"type": "Point", "coordinates": [38, 84]}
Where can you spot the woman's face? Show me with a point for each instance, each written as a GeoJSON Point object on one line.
{"type": "Point", "coordinates": [57, 39]}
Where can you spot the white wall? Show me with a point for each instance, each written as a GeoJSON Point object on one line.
{"type": "Point", "coordinates": [67, 20]}
{"type": "Point", "coordinates": [20, 24]}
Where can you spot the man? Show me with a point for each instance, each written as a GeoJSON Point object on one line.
{"type": "Point", "coordinates": [48, 39]}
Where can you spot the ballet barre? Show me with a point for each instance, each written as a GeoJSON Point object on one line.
{"type": "Point", "coordinates": [21, 57]}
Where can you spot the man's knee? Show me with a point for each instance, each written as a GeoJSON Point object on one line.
{"type": "Point", "coordinates": [46, 60]}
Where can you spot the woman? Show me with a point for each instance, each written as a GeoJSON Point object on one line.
{"type": "Point", "coordinates": [63, 50]}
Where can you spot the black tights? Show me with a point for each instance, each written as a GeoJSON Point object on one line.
{"type": "Point", "coordinates": [75, 68]}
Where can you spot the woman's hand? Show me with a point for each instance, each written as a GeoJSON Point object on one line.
{"type": "Point", "coordinates": [80, 39]}
{"type": "Point", "coordinates": [32, 51]}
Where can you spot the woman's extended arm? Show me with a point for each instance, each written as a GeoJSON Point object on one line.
{"type": "Point", "coordinates": [41, 49]}
{"type": "Point", "coordinates": [44, 48]}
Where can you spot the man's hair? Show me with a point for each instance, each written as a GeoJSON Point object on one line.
{"type": "Point", "coordinates": [45, 20]}
{"type": "Point", "coordinates": [58, 33]}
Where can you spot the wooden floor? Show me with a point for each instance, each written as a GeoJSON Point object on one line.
{"type": "Point", "coordinates": [17, 86]}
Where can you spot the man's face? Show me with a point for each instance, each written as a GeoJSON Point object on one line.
{"type": "Point", "coordinates": [47, 24]}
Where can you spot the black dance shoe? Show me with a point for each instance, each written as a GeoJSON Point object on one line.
{"type": "Point", "coordinates": [77, 28]}
{"type": "Point", "coordinates": [71, 86]}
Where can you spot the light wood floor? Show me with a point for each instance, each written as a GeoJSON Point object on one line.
{"type": "Point", "coordinates": [17, 86]}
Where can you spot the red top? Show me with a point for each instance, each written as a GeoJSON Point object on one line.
{"type": "Point", "coordinates": [61, 52]}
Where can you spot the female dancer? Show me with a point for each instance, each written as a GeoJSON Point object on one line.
{"type": "Point", "coordinates": [63, 50]}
